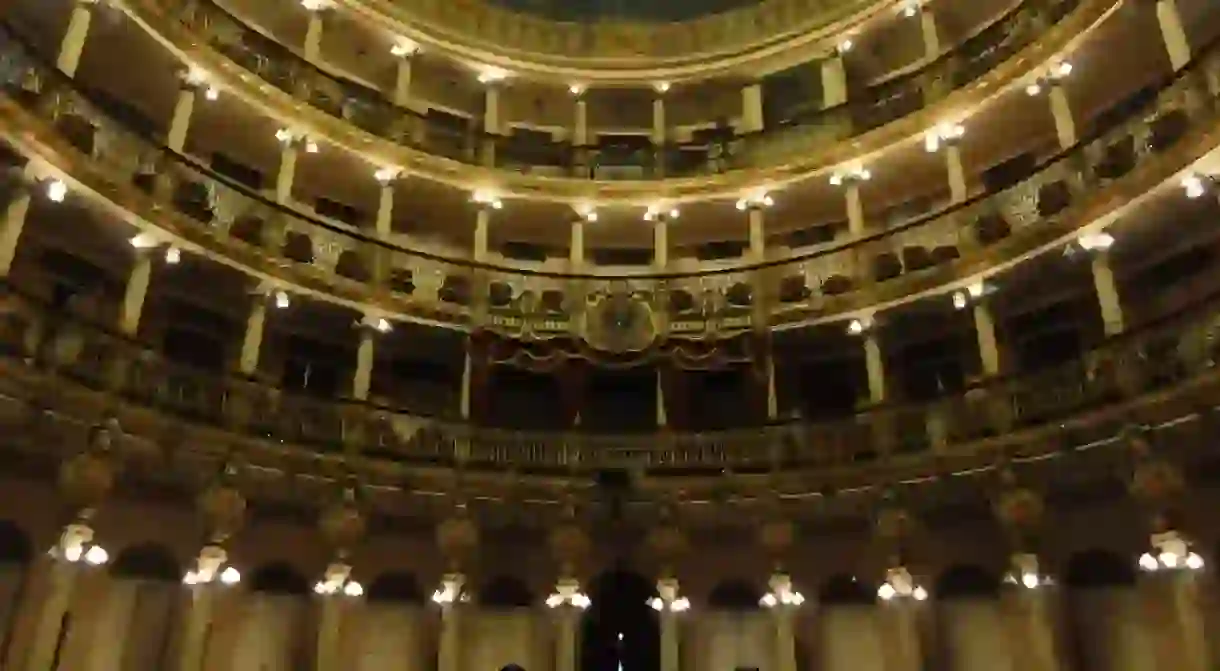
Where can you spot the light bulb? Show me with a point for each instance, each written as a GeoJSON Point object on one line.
{"type": "Point", "coordinates": [281, 299]}
{"type": "Point", "coordinates": [1148, 562]}
{"type": "Point", "coordinates": [173, 255]}
{"type": "Point", "coordinates": [57, 191]}
{"type": "Point", "coordinates": [886, 591]}
{"type": "Point", "coordinates": [230, 576]}
{"type": "Point", "coordinates": [1030, 580]}
{"type": "Point", "coordinates": [1194, 561]}
{"type": "Point", "coordinates": [96, 556]}
{"type": "Point", "coordinates": [920, 594]}
{"type": "Point", "coordinates": [353, 589]}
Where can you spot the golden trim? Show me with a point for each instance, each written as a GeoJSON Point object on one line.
{"type": "Point", "coordinates": [960, 104]}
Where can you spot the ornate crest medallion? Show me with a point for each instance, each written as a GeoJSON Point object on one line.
{"type": "Point", "coordinates": [619, 321]}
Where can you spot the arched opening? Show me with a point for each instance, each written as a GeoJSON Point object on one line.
{"type": "Point", "coordinates": [734, 594]}
{"type": "Point", "coordinates": [512, 667]}
{"type": "Point", "coordinates": [146, 561]}
{"type": "Point", "coordinates": [845, 590]}
{"type": "Point", "coordinates": [505, 591]}
{"type": "Point", "coordinates": [1098, 569]}
{"type": "Point", "coordinates": [278, 578]}
{"type": "Point", "coordinates": [966, 581]}
{"type": "Point", "coordinates": [620, 629]}
{"type": "Point", "coordinates": [15, 545]}
{"type": "Point", "coordinates": [397, 587]}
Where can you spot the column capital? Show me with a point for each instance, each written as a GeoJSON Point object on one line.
{"type": "Point", "coordinates": [851, 176]}
{"type": "Point", "coordinates": [486, 201]}
{"type": "Point", "coordinates": [317, 7]}
{"type": "Point", "coordinates": [661, 214]}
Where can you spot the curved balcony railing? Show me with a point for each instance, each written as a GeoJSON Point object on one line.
{"type": "Point", "coordinates": [934, 253]}
{"type": "Point", "coordinates": [715, 151]}
{"type": "Point", "coordinates": [1076, 400]}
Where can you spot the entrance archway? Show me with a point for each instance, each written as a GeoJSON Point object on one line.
{"type": "Point", "coordinates": [620, 629]}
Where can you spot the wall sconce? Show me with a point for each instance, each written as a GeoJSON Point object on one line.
{"type": "Point", "coordinates": [212, 566]}
{"type": "Point", "coordinates": [782, 594]}
{"type": "Point", "coordinates": [859, 325]}
{"type": "Point", "coordinates": [679, 604]}
{"type": "Point", "coordinates": [659, 213]}
{"type": "Point", "coordinates": [404, 48]}
{"type": "Point", "coordinates": [567, 593]}
{"type": "Point", "coordinates": [962, 298]}
{"type": "Point", "coordinates": [845, 46]}
{"type": "Point", "coordinates": [1058, 72]}
{"type": "Point", "coordinates": [57, 190]}
{"type": "Point", "coordinates": [1172, 553]}
{"type": "Point", "coordinates": [489, 74]}
{"type": "Point", "coordinates": [1196, 185]}
{"type": "Point", "coordinates": [945, 134]}
{"type": "Point", "coordinates": [451, 591]}
{"type": "Point", "coordinates": [173, 255]}
{"type": "Point", "coordinates": [387, 176]}
{"type": "Point", "coordinates": [850, 176]}
{"type": "Point", "coordinates": [487, 199]}
{"type": "Point", "coordinates": [76, 546]}
{"type": "Point", "coordinates": [282, 301]}
{"type": "Point", "coordinates": [577, 89]}
{"type": "Point", "coordinates": [1025, 573]}
{"type": "Point", "coordinates": [587, 213]}
{"type": "Point", "coordinates": [662, 87]}
{"type": "Point", "coordinates": [1094, 242]}
{"type": "Point", "coordinates": [758, 200]}
{"type": "Point", "coordinates": [338, 580]}
{"type": "Point", "coordinates": [900, 585]}
{"type": "Point", "coordinates": [911, 8]}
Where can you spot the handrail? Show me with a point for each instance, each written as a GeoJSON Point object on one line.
{"type": "Point", "coordinates": [278, 65]}
{"type": "Point", "coordinates": [1156, 356]}
{"type": "Point", "coordinates": [1066, 163]}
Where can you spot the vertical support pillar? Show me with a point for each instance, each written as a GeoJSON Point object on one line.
{"type": "Point", "coordinates": [660, 244]}
{"type": "Point", "coordinates": [402, 79]}
{"type": "Point", "coordinates": [363, 377]}
{"type": "Point", "coordinates": [989, 349]}
{"type": "Point", "coordinates": [670, 652]}
{"type": "Point", "coordinates": [580, 126]}
{"type": "Point", "coordinates": [565, 640]}
{"type": "Point", "coordinates": [491, 123]}
{"type": "Point", "coordinates": [751, 109]}
{"type": "Point", "coordinates": [467, 380]}
{"type": "Point", "coordinates": [899, 620]}
{"type": "Point", "coordinates": [1177, 45]}
{"type": "Point", "coordinates": [874, 364]}
{"type": "Point", "coordinates": [576, 250]}
{"type": "Point", "coordinates": [286, 174]}
{"type": "Point", "coordinates": [855, 208]}
{"type": "Point", "coordinates": [73, 44]}
{"type": "Point", "coordinates": [785, 639]}
{"type": "Point", "coordinates": [662, 411]}
{"type": "Point", "coordinates": [1174, 617]}
{"type": "Point", "coordinates": [834, 81]}
{"type": "Point", "coordinates": [958, 191]}
{"type": "Point", "coordinates": [659, 129]}
{"type": "Point", "coordinates": [13, 224]}
{"type": "Point", "coordinates": [384, 227]}
{"type": "Point", "coordinates": [252, 340]}
{"type": "Point", "coordinates": [1032, 629]}
{"type": "Point", "coordinates": [195, 624]}
{"type": "Point", "coordinates": [450, 647]}
{"type": "Point", "coordinates": [137, 290]}
{"type": "Point", "coordinates": [180, 124]}
{"type": "Point", "coordinates": [331, 613]}
{"type": "Point", "coordinates": [930, 33]}
{"type": "Point", "coordinates": [313, 35]}
{"type": "Point", "coordinates": [1108, 298]}
{"type": "Point", "coordinates": [1061, 110]}
{"type": "Point", "coordinates": [46, 607]}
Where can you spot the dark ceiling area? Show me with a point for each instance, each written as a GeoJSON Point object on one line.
{"type": "Point", "coordinates": [622, 10]}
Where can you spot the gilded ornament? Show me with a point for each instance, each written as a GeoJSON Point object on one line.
{"type": "Point", "coordinates": [85, 480]}
{"type": "Point", "coordinates": [223, 509]}
{"type": "Point", "coordinates": [342, 526]}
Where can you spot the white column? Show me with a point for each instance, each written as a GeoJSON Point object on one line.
{"type": "Point", "coordinates": [12, 226]}
{"type": "Point", "coordinates": [565, 642]}
{"type": "Point", "coordinates": [192, 650]}
{"type": "Point", "coordinates": [286, 175]}
{"type": "Point", "coordinates": [252, 340]}
{"type": "Point", "coordinates": [1107, 294]}
{"type": "Point", "coordinates": [855, 208]}
{"type": "Point", "coordinates": [384, 224]}
{"type": "Point", "coordinates": [660, 243]}
{"type": "Point", "coordinates": [330, 620]}
{"type": "Point", "coordinates": [363, 376]}
{"type": "Point", "coordinates": [662, 412]}
{"type": "Point", "coordinates": [785, 639]}
{"type": "Point", "coordinates": [1061, 109]}
{"type": "Point", "coordinates": [450, 648]}
{"type": "Point", "coordinates": [580, 130]}
{"type": "Point", "coordinates": [900, 631]}
{"type": "Point", "coordinates": [576, 250]}
{"type": "Point", "coordinates": [928, 29]}
{"type": "Point", "coordinates": [671, 659]}
{"type": "Point", "coordinates": [313, 36]}
{"type": "Point", "coordinates": [834, 81]}
{"type": "Point", "coordinates": [1173, 33]}
{"type": "Point", "coordinates": [491, 110]}
{"type": "Point", "coordinates": [467, 374]}
{"type": "Point", "coordinates": [958, 191]}
{"type": "Point", "coordinates": [73, 44]}
{"type": "Point", "coordinates": [989, 350]}
{"type": "Point", "coordinates": [658, 120]}
{"type": "Point", "coordinates": [50, 598]}
{"type": "Point", "coordinates": [1033, 626]}
{"type": "Point", "coordinates": [758, 240]}
{"type": "Point", "coordinates": [402, 80]}
{"type": "Point", "coordinates": [137, 290]}
{"type": "Point", "coordinates": [751, 108]}
{"type": "Point", "coordinates": [874, 364]}
{"type": "Point", "coordinates": [180, 124]}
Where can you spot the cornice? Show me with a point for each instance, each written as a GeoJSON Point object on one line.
{"type": "Point", "coordinates": [735, 42]}
{"type": "Point", "coordinates": [960, 104]}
